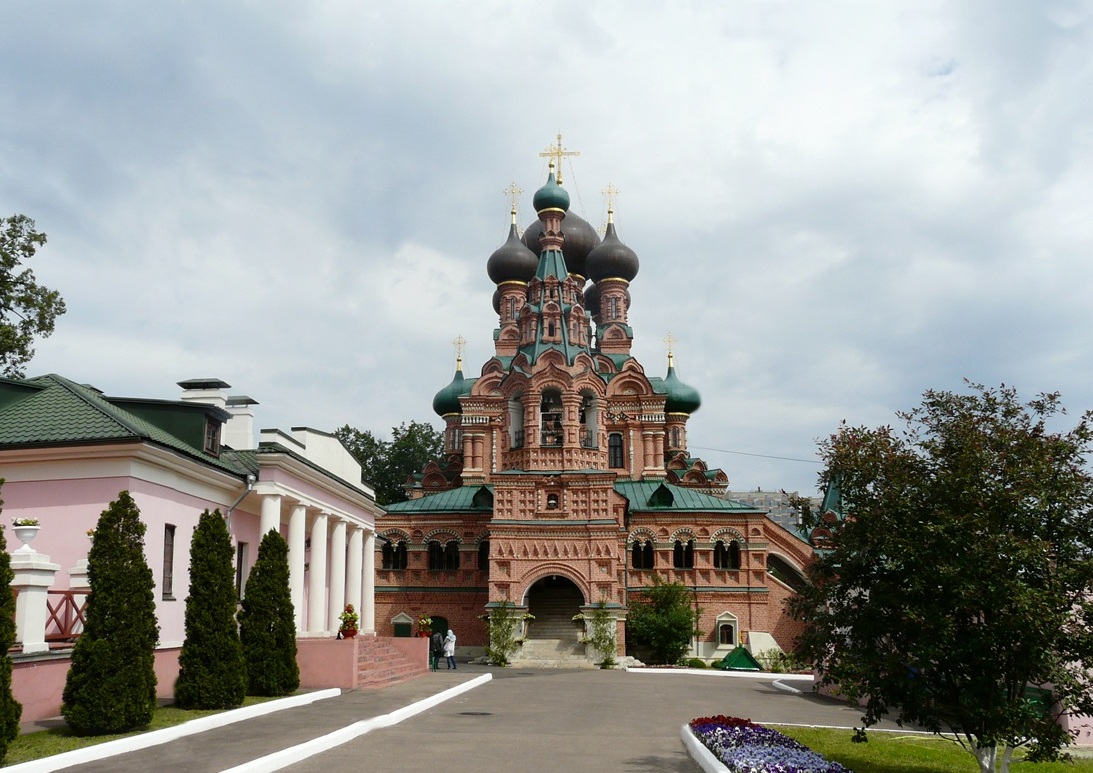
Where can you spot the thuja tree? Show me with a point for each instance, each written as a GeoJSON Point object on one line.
{"type": "Point", "coordinates": [10, 709]}
{"type": "Point", "coordinates": [212, 671]}
{"type": "Point", "coordinates": [267, 622]}
{"type": "Point", "coordinates": [957, 580]}
{"type": "Point", "coordinates": [601, 633]}
{"type": "Point", "coordinates": [503, 636]}
{"type": "Point", "coordinates": [665, 621]}
{"type": "Point", "coordinates": [111, 684]}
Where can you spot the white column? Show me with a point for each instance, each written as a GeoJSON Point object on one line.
{"type": "Point", "coordinates": [270, 516]}
{"type": "Point", "coordinates": [33, 575]}
{"type": "Point", "coordinates": [368, 599]}
{"type": "Point", "coordinates": [316, 579]}
{"type": "Point", "coordinates": [336, 590]}
{"type": "Point", "coordinates": [297, 535]}
{"type": "Point", "coordinates": [354, 567]}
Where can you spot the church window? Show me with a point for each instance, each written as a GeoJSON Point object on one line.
{"type": "Point", "coordinates": [516, 422]}
{"type": "Point", "coordinates": [642, 556]}
{"type": "Point", "coordinates": [614, 450]}
{"type": "Point", "coordinates": [683, 554]}
{"type": "Point", "coordinates": [443, 557]}
{"type": "Point", "coordinates": [589, 422]}
{"type": "Point", "coordinates": [613, 308]}
{"type": "Point", "coordinates": [550, 412]}
{"type": "Point", "coordinates": [675, 437]}
{"type": "Point", "coordinates": [512, 308]}
{"type": "Point", "coordinates": [552, 501]}
{"type": "Point", "coordinates": [394, 556]}
{"type": "Point", "coordinates": [726, 635]}
{"type": "Point", "coordinates": [484, 555]}
{"type": "Point", "coordinates": [726, 556]}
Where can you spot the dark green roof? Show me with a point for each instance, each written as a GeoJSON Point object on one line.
{"type": "Point", "coordinates": [656, 496]}
{"type": "Point", "coordinates": [54, 411]}
{"type": "Point", "coordinates": [465, 499]}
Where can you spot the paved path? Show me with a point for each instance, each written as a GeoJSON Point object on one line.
{"type": "Point", "coordinates": [521, 720]}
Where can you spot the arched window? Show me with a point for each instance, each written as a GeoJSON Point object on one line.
{"type": "Point", "coordinates": [484, 555]}
{"type": "Point", "coordinates": [683, 554]}
{"type": "Point", "coordinates": [726, 635]}
{"type": "Point", "coordinates": [642, 556]}
{"type": "Point", "coordinates": [394, 556]}
{"type": "Point", "coordinates": [614, 451]}
{"type": "Point", "coordinates": [436, 555]}
{"type": "Point", "coordinates": [451, 556]}
{"type": "Point", "coordinates": [675, 437]}
{"type": "Point", "coordinates": [726, 556]}
{"type": "Point", "coordinates": [550, 415]}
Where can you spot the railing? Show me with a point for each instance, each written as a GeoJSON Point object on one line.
{"type": "Point", "coordinates": [65, 610]}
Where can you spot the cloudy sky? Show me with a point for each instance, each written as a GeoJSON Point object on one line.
{"type": "Point", "coordinates": [836, 205]}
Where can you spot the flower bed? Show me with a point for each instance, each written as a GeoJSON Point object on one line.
{"type": "Point", "coordinates": [745, 747]}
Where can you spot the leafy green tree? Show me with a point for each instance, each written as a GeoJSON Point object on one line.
{"type": "Point", "coordinates": [602, 633]}
{"type": "Point", "coordinates": [386, 465]}
{"type": "Point", "coordinates": [212, 671]}
{"type": "Point", "coordinates": [665, 621]}
{"type": "Point", "coordinates": [111, 684]}
{"type": "Point", "coordinates": [11, 710]}
{"type": "Point", "coordinates": [503, 621]}
{"type": "Point", "coordinates": [957, 580]}
{"type": "Point", "coordinates": [27, 309]}
{"type": "Point", "coordinates": [267, 622]}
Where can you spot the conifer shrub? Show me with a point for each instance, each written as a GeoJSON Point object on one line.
{"type": "Point", "coordinates": [111, 684]}
{"type": "Point", "coordinates": [11, 710]}
{"type": "Point", "coordinates": [212, 671]}
{"type": "Point", "coordinates": [267, 622]}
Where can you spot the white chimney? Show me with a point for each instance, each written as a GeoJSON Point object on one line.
{"type": "Point", "coordinates": [239, 431]}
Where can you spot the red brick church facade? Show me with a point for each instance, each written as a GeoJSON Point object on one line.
{"type": "Point", "coordinates": [566, 479]}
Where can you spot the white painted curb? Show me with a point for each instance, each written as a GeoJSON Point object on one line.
{"type": "Point", "coordinates": [155, 737]}
{"type": "Point", "coordinates": [294, 754]}
{"type": "Point", "coordinates": [699, 753]}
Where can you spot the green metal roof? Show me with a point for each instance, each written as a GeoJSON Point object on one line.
{"type": "Point", "coordinates": [52, 411]}
{"type": "Point", "coordinates": [466, 499]}
{"type": "Point", "coordinates": [660, 497]}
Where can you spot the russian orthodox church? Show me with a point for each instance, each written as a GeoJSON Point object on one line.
{"type": "Point", "coordinates": [566, 481]}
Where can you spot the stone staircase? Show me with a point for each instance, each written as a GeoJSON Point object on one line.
{"type": "Point", "coordinates": [380, 663]}
{"type": "Point", "coordinates": [552, 637]}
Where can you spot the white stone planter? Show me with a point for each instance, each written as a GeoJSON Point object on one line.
{"type": "Point", "coordinates": [26, 534]}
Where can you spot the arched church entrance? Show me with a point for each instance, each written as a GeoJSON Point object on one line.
{"type": "Point", "coordinates": [554, 600]}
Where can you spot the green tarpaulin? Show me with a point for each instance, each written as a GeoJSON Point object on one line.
{"type": "Point", "coordinates": [738, 660]}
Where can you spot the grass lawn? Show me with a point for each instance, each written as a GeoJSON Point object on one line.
{"type": "Point", "coordinates": [46, 743]}
{"type": "Point", "coordinates": [897, 753]}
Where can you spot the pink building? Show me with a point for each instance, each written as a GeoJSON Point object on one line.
{"type": "Point", "coordinates": [67, 450]}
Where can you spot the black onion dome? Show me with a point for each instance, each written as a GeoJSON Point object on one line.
{"type": "Point", "coordinates": [612, 259]}
{"type": "Point", "coordinates": [592, 300]}
{"type": "Point", "coordinates": [512, 261]}
{"type": "Point", "coordinates": [580, 239]}
{"type": "Point", "coordinates": [497, 301]}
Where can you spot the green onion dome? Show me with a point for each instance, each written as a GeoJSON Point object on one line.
{"type": "Point", "coordinates": [447, 399]}
{"type": "Point", "coordinates": [682, 398]}
{"type": "Point", "coordinates": [551, 195]}
{"type": "Point", "coordinates": [512, 261]}
{"type": "Point", "coordinates": [612, 258]}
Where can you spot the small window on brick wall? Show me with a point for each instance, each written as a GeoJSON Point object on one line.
{"type": "Point", "coordinates": [443, 557]}
{"type": "Point", "coordinates": [394, 556]}
{"type": "Point", "coordinates": [642, 556]}
{"type": "Point", "coordinates": [683, 554]}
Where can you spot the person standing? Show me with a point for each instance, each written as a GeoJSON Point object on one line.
{"type": "Point", "coordinates": [436, 649]}
{"type": "Point", "coordinates": [449, 649]}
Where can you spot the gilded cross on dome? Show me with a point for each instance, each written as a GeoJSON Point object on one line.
{"type": "Point", "coordinates": [513, 192]}
{"type": "Point", "coordinates": [459, 343]}
{"type": "Point", "coordinates": [671, 340]}
{"type": "Point", "coordinates": [556, 153]}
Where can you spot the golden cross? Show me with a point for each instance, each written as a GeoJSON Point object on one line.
{"type": "Point", "coordinates": [557, 152]}
{"type": "Point", "coordinates": [458, 344]}
{"type": "Point", "coordinates": [671, 340]}
{"type": "Point", "coordinates": [513, 192]}
{"type": "Point", "coordinates": [610, 193]}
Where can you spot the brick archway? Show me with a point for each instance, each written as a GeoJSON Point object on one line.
{"type": "Point", "coordinates": [554, 600]}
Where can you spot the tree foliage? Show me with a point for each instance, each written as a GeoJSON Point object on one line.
{"type": "Point", "coordinates": [267, 622]}
{"type": "Point", "coordinates": [959, 576]}
{"type": "Point", "coordinates": [504, 638]}
{"type": "Point", "coordinates": [27, 309]}
{"type": "Point", "coordinates": [111, 683]}
{"type": "Point", "coordinates": [212, 671]}
{"type": "Point", "coordinates": [11, 710]}
{"type": "Point", "coordinates": [665, 621]}
{"type": "Point", "coordinates": [385, 465]}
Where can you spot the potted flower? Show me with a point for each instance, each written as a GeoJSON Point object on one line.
{"type": "Point", "coordinates": [349, 619]}
{"type": "Point", "coordinates": [25, 529]}
{"type": "Point", "coordinates": [425, 627]}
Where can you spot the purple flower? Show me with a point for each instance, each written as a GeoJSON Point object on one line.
{"type": "Point", "coordinates": [750, 748]}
